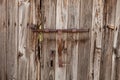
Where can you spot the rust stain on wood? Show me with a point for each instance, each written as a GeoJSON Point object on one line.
{"type": "Point", "coordinates": [60, 50]}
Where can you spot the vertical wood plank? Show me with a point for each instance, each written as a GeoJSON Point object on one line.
{"type": "Point", "coordinates": [36, 19]}
{"type": "Point", "coordinates": [96, 40]}
{"type": "Point", "coordinates": [108, 37]}
{"type": "Point", "coordinates": [61, 23]}
{"type": "Point", "coordinates": [11, 57]}
{"type": "Point", "coordinates": [49, 42]}
{"type": "Point", "coordinates": [116, 53]}
{"type": "Point", "coordinates": [117, 77]}
{"type": "Point", "coordinates": [31, 41]}
{"type": "Point", "coordinates": [84, 43]}
{"type": "Point", "coordinates": [23, 56]}
{"type": "Point", "coordinates": [72, 44]}
{"type": "Point", "coordinates": [52, 42]}
{"type": "Point", "coordinates": [3, 40]}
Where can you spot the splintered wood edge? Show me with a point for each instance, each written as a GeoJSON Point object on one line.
{"type": "Point", "coordinates": [111, 27]}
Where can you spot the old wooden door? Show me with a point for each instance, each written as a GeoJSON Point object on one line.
{"type": "Point", "coordinates": [75, 47]}
{"type": "Point", "coordinates": [27, 55]}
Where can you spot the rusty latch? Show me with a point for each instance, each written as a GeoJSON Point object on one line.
{"type": "Point", "coordinates": [60, 41]}
{"type": "Point", "coordinates": [35, 29]}
{"type": "Point", "coordinates": [61, 30]}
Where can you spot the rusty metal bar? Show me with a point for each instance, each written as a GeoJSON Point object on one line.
{"type": "Point", "coordinates": [35, 29]}
{"type": "Point", "coordinates": [61, 30]}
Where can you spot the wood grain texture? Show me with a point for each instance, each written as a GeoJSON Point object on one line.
{"type": "Point", "coordinates": [3, 40]}
{"type": "Point", "coordinates": [28, 63]}
{"type": "Point", "coordinates": [60, 56]}
{"type": "Point", "coordinates": [116, 65]}
{"type": "Point", "coordinates": [49, 44]}
{"type": "Point", "coordinates": [14, 43]}
{"type": "Point", "coordinates": [72, 43]}
{"type": "Point", "coordinates": [117, 77]}
{"type": "Point", "coordinates": [31, 42]}
{"type": "Point", "coordinates": [11, 57]}
{"type": "Point", "coordinates": [96, 40]}
{"type": "Point", "coordinates": [23, 59]}
{"type": "Point", "coordinates": [84, 43]}
{"type": "Point", "coordinates": [107, 48]}
{"type": "Point", "coordinates": [61, 23]}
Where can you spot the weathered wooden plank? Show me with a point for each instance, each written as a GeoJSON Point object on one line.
{"type": "Point", "coordinates": [51, 39]}
{"type": "Point", "coordinates": [23, 56]}
{"type": "Point", "coordinates": [11, 57]}
{"type": "Point", "coordinates": [84, 43]}
{"type": "Point", "coordinates": [49, 43]}
{"type": "Point", "coordinates": [28, 61]}
{"type": "Point", "coordinates": [43, 69]}
{"type": "Point", "coordinates": [3, 40]}
{"type": "Point", "coordinates": [117, 77]}
{"type": "Point", "coordinates": [108, 37]}
{"type": "Point", "coordinates": [96, 40]}
{"type": "Point", "coordinates": [116, 53]}
{"type": "Point", "coordinates": [72, 44]}
{"type": "Point", "coordinates": [49, 64]}
{"type": "Point", "coordinates": [61, 23]}
{"type": "Point", "coordinates": [32, 41]}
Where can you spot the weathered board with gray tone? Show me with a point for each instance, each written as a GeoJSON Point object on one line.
{"type": "Point", "coordinates": [94, 55]}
